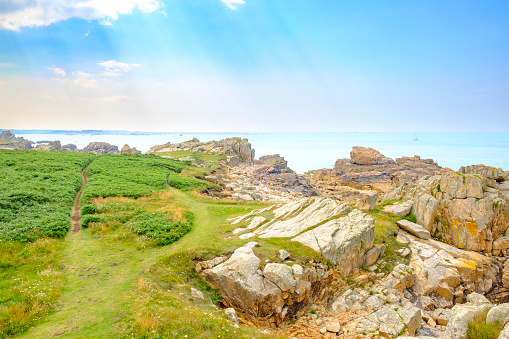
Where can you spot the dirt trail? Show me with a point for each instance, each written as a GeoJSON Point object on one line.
{"type": "Point", "coordinates": [76, 214]}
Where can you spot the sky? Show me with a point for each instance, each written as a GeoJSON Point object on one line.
{"type": "Point", "coordinates": [255, 65]}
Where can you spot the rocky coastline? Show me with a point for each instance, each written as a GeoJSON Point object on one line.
{"type": "Point", "coordinates": [406, 248]}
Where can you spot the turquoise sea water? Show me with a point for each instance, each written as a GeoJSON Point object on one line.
{"type": "Point", "coordinates": [307, 151]}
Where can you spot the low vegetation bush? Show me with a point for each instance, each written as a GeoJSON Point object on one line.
{"type": "Point", "coordinates": [37, 191]}
{"type": "Point", "coordinates": [155, 217]}
{"type": "Point", "coordinates": [480, 329]}
{"type": "Point", "coordinates": [89, 218]}
{"type": "Point", "coordinates": [411, 217]}
{"type": "Point", "coordinates": [132, 176]}
{"type": "Point", "coordinates": [187, 184]}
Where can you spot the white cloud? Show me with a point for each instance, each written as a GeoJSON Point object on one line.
{"type": "Point", "coordinates": [232, 4]}
{"type": "Point", "coordinates": [115, 68]}
{"type": "Point", "coordinates": [114, 98]}
{"type": "Point", "coordinates": [15, 14]}
{"type": "Point", "coordinates": [57, 71]}
{"type": "Point", "coordinates": [84, 79]}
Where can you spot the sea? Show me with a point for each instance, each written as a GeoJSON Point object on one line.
{"type": "Point", "coordinates": [306, 151]}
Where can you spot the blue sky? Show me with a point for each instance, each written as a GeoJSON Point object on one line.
{"type": "Point", "coordinates": [255, 65]}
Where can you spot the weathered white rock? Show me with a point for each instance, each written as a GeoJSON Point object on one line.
{"type": "Point", "coordinates": [239, 230]}
{"type": "Point", "coordinates": [197, 294]}
{"type": "Point", "coordinates": [281, 275]}
{"type": "Point", "coordinates": [414, 229]}
{"type": "Point", "coordinates": [283, 255]}
{"type": "Point", "coordinates": [425, 210]}
{"type": "Point", "coordinates": [439, 266]}
{"type": "Point", "coordinates": [400, 209]}
{"type": "Point", "coordinates": [232, 316]}
{"type": "Point", "coordinates": [246, 235]}
{"type": "Point", "coordinates": [462, 314]}
{"type": "Point", "coordinates": [316, 211]}
{"type": "Point", "coordinates": [344, 240]}
{"type": "Point", "coordinates": [241, 286]}
{"type": "Point", "coordinates": [333, 327]}
{"type": "Point", "coordinates": [255, 222]}
{"type": "Point", "coordinates": [477, 299]}
{"type": "Point", "coordinates": [411, 316]}
{"type": "Point", "coordinates": [498, 313]}
{"type": "Point", "coordinates": [401, 278]}
{"type": "Point", "coordinates": [373, 254]}
{"type": "Point", "coordinates": [367, 200]}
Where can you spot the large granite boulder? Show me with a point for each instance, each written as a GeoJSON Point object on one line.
{"type": "Point", "coordinates": [368, 156]}
{"type": "Point", "coordinates": [343, 241]}
{"type": "Point", "coordinates": [448, 271]}
{"type": "Point", "coordinates": [468, 209]}
{"type": "Point", "coordinates": [367, 200]}
{"type": "Point", "coordinates": [239, 282]}
{"type": "Point", "coordinates": [101, 148]}
{"type": "Point", "coordinates": [274, 293]}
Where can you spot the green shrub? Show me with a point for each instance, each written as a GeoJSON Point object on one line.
{"type": "Point", "coordinates": [160, 228]}
{"type": "Point", "coordinates": [37, 192]}
{"type": "Point", "coordinates": [187, 184]}
{"type": "Point", "coordinates": [90, 218]}
{"type": "Point", "coordinates": [411, 217]}
{"type": "Point", "coordinates": [88, 209]}
{"type": "Point", "coordinates": [479, 329]}
{"type": "Point", "coordinates": [131, 176]}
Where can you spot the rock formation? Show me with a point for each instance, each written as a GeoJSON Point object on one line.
{"type": "Point", "coordinates": [10, 141]}
{"type": "Point", "coordinates": [101, 148]}
{"type": "Point", "coordinates": [271, 295]}
{"type": "Point", "coordinates": [238, 150]}
{"type": "Point", "coordinates": [276, 161]}
{"type": "Point", "coordinates": [128, 150]}
{"type": "Point", "coordinates": [69, 148]}
{"type": "Point", "coordinates": [368, 156]}
{"type": "Point", "coordinates": [468, 208]}
{"type": "Point", "coordinates": [368, 169]}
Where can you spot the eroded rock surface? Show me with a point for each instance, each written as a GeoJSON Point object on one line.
{"type": "Point", "coordinates": [468, 208]}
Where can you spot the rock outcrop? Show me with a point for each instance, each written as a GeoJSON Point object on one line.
{"type": "Point", "coordinates": [49, 147]}
{"type": "Point", "coordinates": [344, 241]}
{"type": "Point", "coordinates": [271, 295]}
{"type": "Point", "coordinates": [368, 156]}
{"type": "Point", "coordinates": [367, 169]}
{"type": "Point", "coordinates": [128, 150]}
{"type": "Point", "coordinates": [69, 148]}
{"type": "Point", "coordinates": [276, 161]}
{"type": "Point", "coordinates": [448, 271]}
{"type": "Point", "coordinates": [468, 208]}
{"type": "Point", "coordinates": [311, 211]}
{"type": "Point", "coordinates": [236, 149]}
{"type": "Point", "coordinates": [9, 141]}
{"type": "Point", "coordinates": [101, 148]}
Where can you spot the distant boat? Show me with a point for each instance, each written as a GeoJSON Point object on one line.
{"type": "Point", "coordinates": [415, 136]}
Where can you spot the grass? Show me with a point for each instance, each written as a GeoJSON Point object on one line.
{"type": "Point", "coordinates": [386, 231]}
{"type": "Point", "coordinates": [31, 281]}
{"type": "Point", "coordinates": [155, 220]}
{"type": "Point", "coordinates": [160, 302]}
{"type": "Point", "coordinates": [480, 329]}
